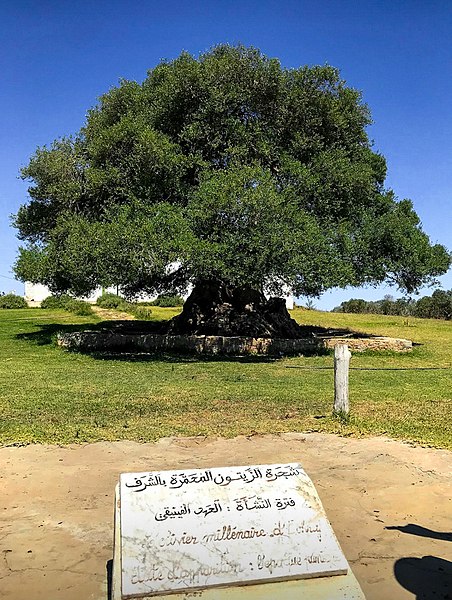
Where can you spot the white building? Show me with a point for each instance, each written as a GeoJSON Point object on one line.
{"type": "Point", "coordinates": [35, 293]}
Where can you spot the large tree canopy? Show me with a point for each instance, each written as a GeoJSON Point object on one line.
{"type": "Point", "coordinates": [239, 171]}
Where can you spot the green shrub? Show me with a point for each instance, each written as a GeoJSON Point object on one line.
{"type": "Point", "coordinates": [79, 307]}
{"type": "Point", "coordinates": [111, 301]}
{"type": "Point", "coordinates": [142, 313]}
{"type": "Point", "coordinates": [168, 301]}
{"type": "Point", "coordinates": [12, 301]}
{"type": "Point", "coordinates": [59, 301]}
{"type": "Point", "coordinates": [65, 302]}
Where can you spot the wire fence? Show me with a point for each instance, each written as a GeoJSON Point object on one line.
{"type": "Point", "coordinates": [315, 368]}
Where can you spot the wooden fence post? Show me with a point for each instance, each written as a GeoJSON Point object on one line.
{"type": "Point", "coordinates": [341, 363]}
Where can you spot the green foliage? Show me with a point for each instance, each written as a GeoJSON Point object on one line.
{"type": "Point", "coordinates": [232, 167]}
{"type": "Point", "coordinates": [142, 313]}
{"type": "Point", "coordinates": [166, 301]}
{"type": "Point", "coordinates": [79, 307]}
{"type": "Point", "coordinates": [66, 302]}
{"type": "Point", "coordinates": [108, 300]}
{"type": "Point", "coordinates": [58, 301]}
{"type": "Point", "coordinates": [12, 301]}
{"type": "Point", "coordinates": [436, 306]}
{"type": "Point", "coordinates": [139, 310]}
{"type": "Point", "coordinates": [355, 305]}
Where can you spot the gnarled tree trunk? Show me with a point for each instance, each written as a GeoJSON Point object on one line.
{"type": "Point", "coordinates": [214, 308]}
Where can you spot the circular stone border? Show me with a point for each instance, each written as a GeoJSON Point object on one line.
{"type": "Point", "coordinates": [105, 341]}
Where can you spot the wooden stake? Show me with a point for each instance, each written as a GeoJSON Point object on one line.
{"type": "Point", "coordinates": [341, 363]}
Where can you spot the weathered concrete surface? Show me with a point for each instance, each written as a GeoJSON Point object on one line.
{"type": "Point", "coordinates": [191, 529]}
{"type": "Point", "coordinates": [342, 587]}
{"type": "Point", "coordinates": [97, 341]}
{"type": "Point", "coordinates": [57, 507]}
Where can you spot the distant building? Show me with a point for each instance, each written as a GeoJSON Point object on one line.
{"type": "Point", "coordinates": [35, 293]}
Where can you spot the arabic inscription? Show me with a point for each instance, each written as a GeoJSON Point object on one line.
{"type": "Point", "coordinates": [183, 530]}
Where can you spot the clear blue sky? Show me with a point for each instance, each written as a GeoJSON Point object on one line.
{"type": "Point", "coordinates": [58, 56]}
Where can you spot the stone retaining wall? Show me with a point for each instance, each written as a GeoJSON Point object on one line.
{"type": "Point", "coordinates": [101, 341]}
{"type": "Point", "coordinates": [371, 343]}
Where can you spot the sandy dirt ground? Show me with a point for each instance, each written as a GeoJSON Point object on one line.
{"type": "Point", "coordinates": [389, 504]}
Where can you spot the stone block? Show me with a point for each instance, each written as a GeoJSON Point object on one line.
{"type": "Point", "coordinates": [181, 532]}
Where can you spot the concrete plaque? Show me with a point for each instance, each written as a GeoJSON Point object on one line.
{"type": "Point", "coordinates": [196, 529]}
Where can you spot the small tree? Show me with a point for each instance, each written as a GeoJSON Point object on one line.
{"type": "Point", "coordinates": [355, 305]}
{"type": "Point", "coordinates": [229, 172]}
{"type": "Point", "coordinates": [442, 304]}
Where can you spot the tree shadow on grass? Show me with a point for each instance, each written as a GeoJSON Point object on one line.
{"type": "Point", "coordinates": [176, 357]}
{"type": "Point", "coordinates": [47, 333]}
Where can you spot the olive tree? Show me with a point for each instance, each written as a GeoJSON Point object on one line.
{"type": "Point", "coordinates": [232, 174]}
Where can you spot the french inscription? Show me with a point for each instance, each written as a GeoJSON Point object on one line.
{"type": "Point", "coordinates": [185, 530]}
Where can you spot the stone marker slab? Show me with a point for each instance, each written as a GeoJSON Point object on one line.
{"type": "Point", "coordinates": [195, 529]}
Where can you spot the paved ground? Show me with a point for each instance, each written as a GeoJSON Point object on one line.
{"type": "Point", "coordinates": [389, 504]}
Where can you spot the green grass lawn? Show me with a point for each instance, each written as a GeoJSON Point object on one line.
{"type": "Point", "coordinates": [54, 396]}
